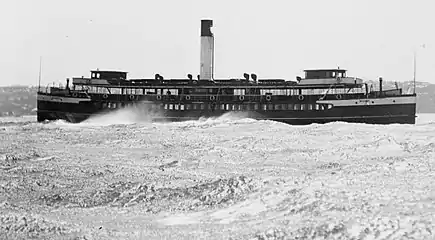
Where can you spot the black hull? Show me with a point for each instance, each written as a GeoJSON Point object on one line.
{"type": "Point", "coordinates": [402, 119]}
{"type": "Point", "coordinates": [370, 114]}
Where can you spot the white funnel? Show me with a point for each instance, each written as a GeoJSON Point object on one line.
{"type": "Point", "coordinates": [207, 51]}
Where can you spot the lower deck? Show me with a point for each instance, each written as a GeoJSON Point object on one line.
{"type": "Point", "coordinates": [375, 110]}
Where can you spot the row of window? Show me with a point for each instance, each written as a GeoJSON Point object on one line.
{"type": "Point", "coordinates": [224, 107]}
{"type": "Point", "coordinates": [286, 92]}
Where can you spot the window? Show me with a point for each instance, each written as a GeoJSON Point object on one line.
{"type": "Point", "coordinates": [115, 91]}
{"type": "Point", "coordinates": [239, 91]}
{"type": "Point", "coordinates": [170, 91]}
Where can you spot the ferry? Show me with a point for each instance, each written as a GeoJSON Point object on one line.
{"type": "Point", "coordinates": [320, 96]}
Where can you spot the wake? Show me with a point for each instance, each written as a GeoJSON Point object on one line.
{"type": "Point", "coordinates": [135, 115]}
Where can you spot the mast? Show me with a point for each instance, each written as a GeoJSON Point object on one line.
{"type": "Point", "coordinates": [40, 69]}
{"type": "Point", "coordinates": [415, 67]}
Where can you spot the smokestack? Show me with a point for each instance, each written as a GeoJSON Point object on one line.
{"type": "Point", "coordinates": [207, 51]}
{"type": "Point", "coordinates": [380, 85]}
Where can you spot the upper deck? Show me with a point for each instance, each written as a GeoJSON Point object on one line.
{"type": "Point", "coordinates": [313, 79]}
{"type": "Point", "coordinates": [316, 82]}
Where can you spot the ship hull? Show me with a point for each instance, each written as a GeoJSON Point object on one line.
{"type": "Point", "coordinates": [394, 113]}
{"type": "Point", "coordinates": [386, 119]}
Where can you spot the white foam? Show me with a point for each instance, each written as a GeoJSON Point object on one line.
{"type": "Point", "coordinates": [337, 169]}
{"type": "Point", "coordinates": [126, 115]}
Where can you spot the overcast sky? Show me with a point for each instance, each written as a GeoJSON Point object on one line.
{"type": "Point", "coordinates": [275, 39]}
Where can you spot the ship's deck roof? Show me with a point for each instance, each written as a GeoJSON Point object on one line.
{"type": "Point", "coordinates": [326, 70]}
{"type": "Point", "coordinates": [107, 71]}
{"type": "Point", "coordinates": [284, 85]}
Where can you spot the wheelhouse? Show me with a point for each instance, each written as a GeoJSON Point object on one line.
{"type": "Point", "coordinates": [109, 75]}
{"type": "Point", "coordinates": [325, 73]}
{"type": "Point", "coordinates": [328, 77]}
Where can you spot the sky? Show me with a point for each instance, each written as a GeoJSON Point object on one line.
{"type": "Point", "coordinates": [274, 38]}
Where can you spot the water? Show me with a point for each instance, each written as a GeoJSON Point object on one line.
{"type": "Point", "coordinates": [119, 176]}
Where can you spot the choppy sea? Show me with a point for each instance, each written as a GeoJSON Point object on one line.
{"type": "Point", "coordinates": [119, 176]}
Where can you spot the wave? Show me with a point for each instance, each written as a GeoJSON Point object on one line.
{"type": "Point", "coordinates": [223, 171]}
{"type": "Point", "coordinates": [132, 115]}
{"type": "Point", "coordinates": [226, 119]}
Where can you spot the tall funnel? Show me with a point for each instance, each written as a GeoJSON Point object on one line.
{"type": "Point", "coordinates": [207, 50]}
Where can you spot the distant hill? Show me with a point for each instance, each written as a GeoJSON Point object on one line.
{"type": "Point", "coordinates": [21, 100]}
{"type": "Point", "coordinates": [18, 100]}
